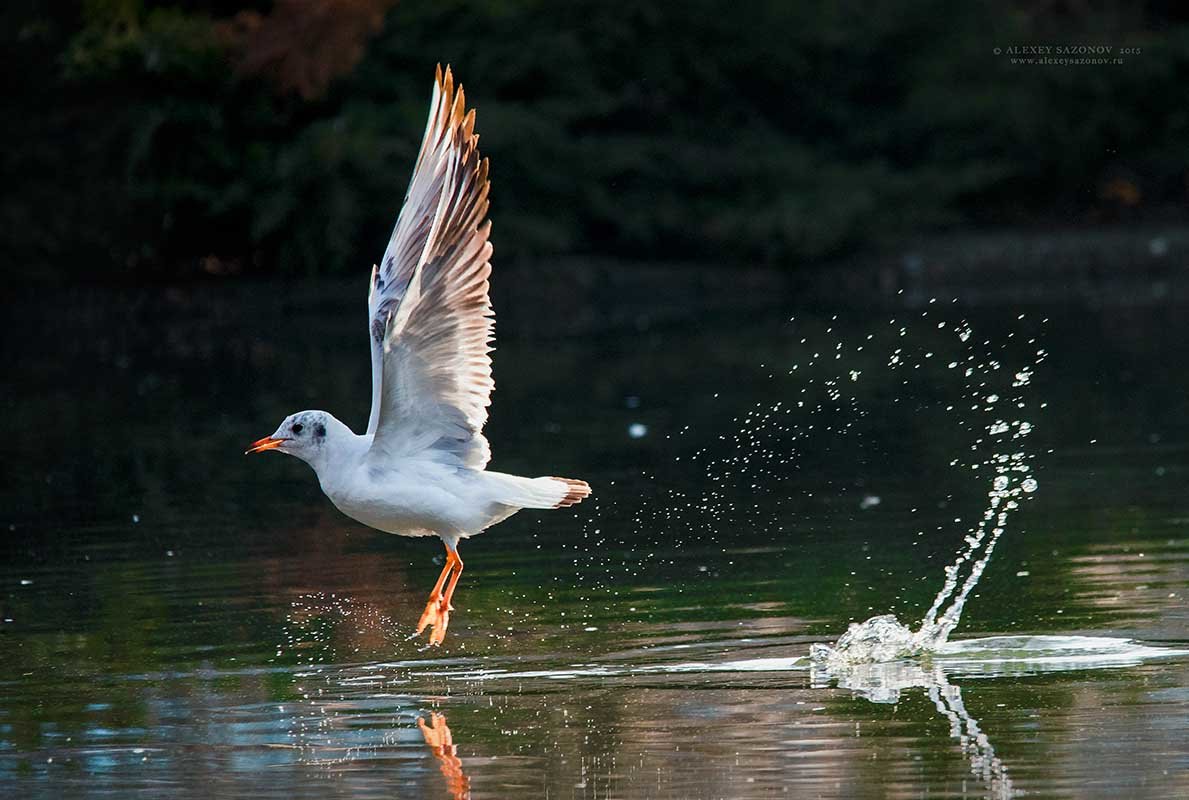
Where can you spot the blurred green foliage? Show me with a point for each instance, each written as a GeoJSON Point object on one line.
{"type": "Point", "coordinates": [146, 139]}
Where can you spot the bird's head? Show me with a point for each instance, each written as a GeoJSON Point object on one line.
{"type": "Point", "coordinates": [305, 434]}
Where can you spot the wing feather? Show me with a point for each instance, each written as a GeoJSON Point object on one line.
{"type": "Point", "coordinates": [431, 318]}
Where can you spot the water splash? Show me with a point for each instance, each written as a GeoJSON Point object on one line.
{"type": "Point", "coordinates": [826, 389]}
{"type": "Point", "coordinates": [1012, 480]}
{"type": "Point", "coordinates": [879, 639]}
{"type": "Point", "coordinates": [884, 638]}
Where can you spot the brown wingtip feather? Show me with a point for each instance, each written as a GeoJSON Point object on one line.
{"type": "Point", "coordinates": [578, 491]}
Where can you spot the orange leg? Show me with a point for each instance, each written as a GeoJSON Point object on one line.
{"type": "Point", "coordinates": [453, 581]}
{"type": "Point", "coordinates": [435, 607]}
{"type": "Point", "coordinates": [445, 607]}
{"type": "Point", "coordinates": [437, 610]}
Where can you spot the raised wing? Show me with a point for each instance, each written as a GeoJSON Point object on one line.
{"type": "Point", "coordinates": [431, 318]}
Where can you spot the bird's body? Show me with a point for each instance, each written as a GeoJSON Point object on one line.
{"type": "Point", "coordinates": [420, 468]}
{"type": "Point", "coordinates": [420, 497]}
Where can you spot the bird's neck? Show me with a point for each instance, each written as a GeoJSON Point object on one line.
{"type": "Point", "coordinates": [339, 457]}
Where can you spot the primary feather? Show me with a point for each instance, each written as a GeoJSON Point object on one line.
{"type": "Point", "coordinates": [431, 322]}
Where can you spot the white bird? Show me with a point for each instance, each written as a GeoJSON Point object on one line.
{"type": "Point", "coordinates": [420, 469]}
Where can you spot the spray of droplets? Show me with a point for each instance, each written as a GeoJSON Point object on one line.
{"type": "Point", "coordinates": [1010, 478]}
{"type": "Point", "coordinates": [742, 478]}
{"type": "Point", "coordinates": [319, 627]}
{"type": "Point", "coordinates": [739, 478]}
{"type": "Point", "coordinates": [999, 457]}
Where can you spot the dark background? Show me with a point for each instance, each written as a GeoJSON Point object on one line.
{"type": "Point", "coordinates": [162, 141]}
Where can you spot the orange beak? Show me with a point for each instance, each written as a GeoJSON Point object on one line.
{"type": "Point", "coordinates": [267, 443]}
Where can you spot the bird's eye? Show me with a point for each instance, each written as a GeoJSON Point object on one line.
{"type": "Point", "coordinates": [297, 426]}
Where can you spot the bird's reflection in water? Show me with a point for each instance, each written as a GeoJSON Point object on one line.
{"type": "Point", "coordinates": [441, 744]}
{"type": "Point", "coordinates": [883, 683]}
{"type": "Point", "coordinates": [320, 628]}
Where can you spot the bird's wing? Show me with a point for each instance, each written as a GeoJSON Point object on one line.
{"type": "Point", "coordinates": [431, 318]}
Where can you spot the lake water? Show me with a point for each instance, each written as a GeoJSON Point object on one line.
{"type": "Point", "coordinates": [179, 620]}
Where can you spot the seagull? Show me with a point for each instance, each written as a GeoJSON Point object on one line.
{"type": "Point", "coordinates": [420, 469]}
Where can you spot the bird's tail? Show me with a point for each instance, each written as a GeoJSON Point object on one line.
{"type": "Point", "coordinates": [543, 492]}
{"type": "Point", "coordinates": [575, 491]}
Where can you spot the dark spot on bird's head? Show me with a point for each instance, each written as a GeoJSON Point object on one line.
{"type": "Point", "coordinates": [319, 430]}
{"type": "Point", "coordinates": [297, 428]}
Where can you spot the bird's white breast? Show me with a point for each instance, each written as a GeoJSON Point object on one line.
{"type": "Point", "coordinates": [413, 498]}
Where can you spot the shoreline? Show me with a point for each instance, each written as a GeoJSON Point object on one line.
{"type": "Point", "coordinates": [1111, 268]}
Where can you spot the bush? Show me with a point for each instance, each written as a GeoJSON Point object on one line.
{"type": "Point", "coordinates": [234, 137]}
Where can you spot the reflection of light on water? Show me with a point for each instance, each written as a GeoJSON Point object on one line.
{"type": "Point", "coordinates": [991, 656]}
{"type": "Point", "coordinates": [1124, 582]}
{"type": "Point", "coordinates": [353, 717]}
{"type": "Point", "coordinates": [1001, 655]}
{"type": "Point", "coordinates": [947, 699]}
{"type": "Point", "coordinates": [884, 682]}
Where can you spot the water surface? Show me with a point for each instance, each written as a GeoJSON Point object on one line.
{"type": "Point", "coordinates": [179, 620]}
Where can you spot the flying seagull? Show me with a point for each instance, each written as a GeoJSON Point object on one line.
{"type": "Point", "coordinates": [420, 469]}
